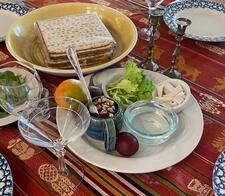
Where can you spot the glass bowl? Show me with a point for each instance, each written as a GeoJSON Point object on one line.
{"type": "Point", "coordinates": [150, 121]}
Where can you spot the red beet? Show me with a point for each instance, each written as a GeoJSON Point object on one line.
{"type": "Point", "coordinates": [126, 144]}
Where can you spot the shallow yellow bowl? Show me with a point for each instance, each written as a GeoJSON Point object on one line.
{"type": "Point", "coordinates": [22, 42]}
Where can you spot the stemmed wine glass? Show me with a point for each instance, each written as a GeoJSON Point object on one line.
{"type": "Point", "coordinates": [144, 33]}
{"type": "Point", "coordinates": [54, 122]}
{"type": "Point", "coordinates": [20, 85]}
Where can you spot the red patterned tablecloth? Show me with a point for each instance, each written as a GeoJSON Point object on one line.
{"type": "Point", "coordinates": [203, 67]}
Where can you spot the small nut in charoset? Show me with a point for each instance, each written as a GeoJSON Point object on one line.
{"type": "Point", "coordinates": [106, 107]}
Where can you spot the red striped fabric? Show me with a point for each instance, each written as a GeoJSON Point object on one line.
{"type": "Point", "coordinates": [202, 65]}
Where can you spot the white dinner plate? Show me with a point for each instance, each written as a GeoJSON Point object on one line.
{"type": "Point", "coordinates": [207, 19]}
{"type": "Point", "coordinates": [7, 120]}
{"type": "Point", "coordinates": [148, 158]}
{"type": "Point", "coordinates": [9, 12]}
{"type": "Point", "coordinates": [218, 177]}
{"type": "Point", "coordinates": [6, 180]}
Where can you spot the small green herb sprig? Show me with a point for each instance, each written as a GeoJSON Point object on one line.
{"type": "Point", "coordinates": [9, 78]}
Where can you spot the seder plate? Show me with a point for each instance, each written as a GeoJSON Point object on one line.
{"type": "Point", "coordinates": [148, 158]}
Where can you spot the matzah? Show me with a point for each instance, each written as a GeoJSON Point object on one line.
{"type": "Point", "coordinates": [67, 65]}
{"type": "Point", "coordinates": [82, 31]}
{"type": "Point", "coordinates": [85, 61]}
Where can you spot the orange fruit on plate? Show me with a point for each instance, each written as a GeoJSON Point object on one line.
{"type": "Point", "coordinates": [69, 88]}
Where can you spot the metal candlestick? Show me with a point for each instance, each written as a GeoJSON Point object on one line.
{"type": "Point", "coordinates": [154, 21]}
{"type": "Point", "coordinates": [182, 23]}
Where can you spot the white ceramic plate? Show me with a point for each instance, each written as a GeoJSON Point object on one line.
{"type": "Point", "coordinates": [207, 19]}
{"type": "Point", "coordinates": [6, 180]}
{"type": "Point", "coordinates": [7, 120]}
{"type": "Point", "coordinates": [218, 177]}
{"type": "Point", "coordinates": [148, 158]}
{"type": "Point", "coordinates": [9, 12]}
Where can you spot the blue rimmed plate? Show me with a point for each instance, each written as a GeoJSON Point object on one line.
{"type": "Point", "coordinates": [207, 19]}
{"type": "Point", "coordinates": [9, 12]}
{"type": "Point", "coordinates": [218, 177]}
{"type": "Point", "coordinates": [6, 180]}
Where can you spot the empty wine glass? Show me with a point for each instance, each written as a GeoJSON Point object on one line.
{"type": "Point", "coordinates": [20, 85]}
{"type": "Point", "coordinates": [54, 123]}
{"type": "Point", "coordinates": [144, 33]}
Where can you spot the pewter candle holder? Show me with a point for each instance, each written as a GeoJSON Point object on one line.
{"type": "Point", "coordinates": [182, 24]}
{"type": "Point", "coordinates": [149, 64]}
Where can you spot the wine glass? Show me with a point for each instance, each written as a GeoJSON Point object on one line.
{"type": "Point", "coordinates": [144, 33]}
{"type": "Point", "coordinates": [53, 123]}
{"type": "Point", "coordinates": [20, 85]}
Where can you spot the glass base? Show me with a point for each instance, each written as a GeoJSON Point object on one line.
{"type": "Point", "coordinates": [144, 34]}
{"type": "Point", "coordinates": [73, 175]}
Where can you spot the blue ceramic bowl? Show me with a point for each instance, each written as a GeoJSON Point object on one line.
{"type": "Point", "coordinates": [96, 127]}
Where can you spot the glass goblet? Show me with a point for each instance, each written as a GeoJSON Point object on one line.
{"type": "Point", "coordinates": [144, 33]}
{"type": "Point", "coordinates": [20, 85]}
{"type": "Point", "coordinates": [53, 123]}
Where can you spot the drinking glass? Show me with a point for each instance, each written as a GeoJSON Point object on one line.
{"type": "Point", "coordinates": [53, 123]}
{"type": "Point", "coordinates": [144, 33]}
{"type": "Point", "coordinates": [14, 96]}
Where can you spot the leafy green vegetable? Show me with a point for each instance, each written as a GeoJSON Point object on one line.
{"type": "Point", "coordinates": [3, 113]}
{"type": "Point", "coordinates": [132, 86]}
{"type": "Point", "coordinates": [8, 78]}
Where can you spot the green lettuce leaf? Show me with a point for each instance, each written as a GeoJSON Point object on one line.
{"type": "Point", "coordinates": [132, 86]}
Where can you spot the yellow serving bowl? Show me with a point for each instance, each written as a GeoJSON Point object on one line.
{"type": "Point", "coordinates": [22, 42]}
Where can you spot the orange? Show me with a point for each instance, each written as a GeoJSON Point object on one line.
{"type": "Point", "coordinates": [69, 88]}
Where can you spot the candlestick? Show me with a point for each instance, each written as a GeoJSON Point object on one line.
{"type": "Point", "coordinates": [154, 21]}
{"type": "Point", "coordinates": [172, 72]}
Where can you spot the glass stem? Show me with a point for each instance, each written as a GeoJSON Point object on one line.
{"type": "Point", "coordinates": [61, 163]}
{"type": "Point", "coordinates": [60, 152]}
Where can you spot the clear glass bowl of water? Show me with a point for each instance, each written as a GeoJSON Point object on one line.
{"type": "Point", "coordinates": [150, 121]}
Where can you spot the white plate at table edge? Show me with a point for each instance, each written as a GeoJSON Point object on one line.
{"type": "Point", "coordinates": [170, 20]}
{"type": "Point", "coordinates": [10, 174]}
{"type": "Point", "coordinates": [219, 164]}
{"type": "Point", "coordinates": [178, 147]}
{"type": "Point", "coordinates": [8, 120]}
{"type": "Point", "coordinates": [15, 9]}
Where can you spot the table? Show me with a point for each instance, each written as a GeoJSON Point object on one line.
{"type": "Point", "coordinates": [203, 67]}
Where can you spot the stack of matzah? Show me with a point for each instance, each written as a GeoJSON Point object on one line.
{"type": "Point", "coordinates": [85, 32]}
